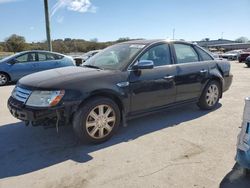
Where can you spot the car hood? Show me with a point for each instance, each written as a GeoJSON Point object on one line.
{"type": "Point", "coordinates": [64, 78]}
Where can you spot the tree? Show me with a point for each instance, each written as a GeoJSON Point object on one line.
{"type": "Point", "coordinates": [1, 48]}
{"type": "Point", "coordinates": [205, 39]}
{"type": "Point", "coordinates": [123, 39]}
{"type": "Point", "coordinates": [15, 43]}
{"type": "Point", "coordinates": [242, 39]}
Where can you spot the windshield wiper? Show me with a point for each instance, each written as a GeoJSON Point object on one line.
{"type": "Point", "coordinates": [93, 66]}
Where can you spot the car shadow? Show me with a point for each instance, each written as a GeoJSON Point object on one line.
{"type": "Point", "coordinates": [28, 149]}
{"type": "Point", "coordinates": [235, 179]}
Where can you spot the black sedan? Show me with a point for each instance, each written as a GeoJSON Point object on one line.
{"type": "Point", "coordinates": [123, 81]}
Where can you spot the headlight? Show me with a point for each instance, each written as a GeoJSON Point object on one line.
{"type": "Point", "coordinates": [45, 98]}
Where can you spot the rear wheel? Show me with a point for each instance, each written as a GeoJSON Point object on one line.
{"type": "Point", "coordinates": [210, 96]}
{"type": "Point", "coordinates": [97, 120]}
{"type": "Point", "coordinates": [4, 79]}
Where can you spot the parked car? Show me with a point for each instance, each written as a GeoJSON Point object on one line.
{"type": "Point", "coordinates": [81, 59]}
{"type": "Point", "coordinates": [243, 56]}
{"type": "Point", "coordinates": [216, 55]}
{"type": "Point", "coordinates": [123, 81]}
{"type": "Point", "coordinates": [243, 145]}
{"type": "Point", "coordinates": [247, 62]}
{"type": "Point", "coordinates": [232, 55]}
{"type": "Point", "coordinates": [14, 67]}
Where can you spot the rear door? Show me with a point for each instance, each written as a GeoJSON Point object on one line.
{"type": "Point", "coordinates": [153, 88]}
{"type": "Point", "coordinates": [47, 61]}
{"type": "Point", "coordinates": [192, 71]}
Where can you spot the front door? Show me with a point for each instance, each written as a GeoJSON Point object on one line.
{"type": "Point", "coordinates": [155, 87]}
{"type": "Point", "coordinates": [24, 64]}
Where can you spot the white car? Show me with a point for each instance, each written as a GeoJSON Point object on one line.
{"type": "Point", "coordinates": [233, 55]}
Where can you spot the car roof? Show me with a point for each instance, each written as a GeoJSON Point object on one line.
{"type": "Point", "coordinates": [152, 41]}
{"type": "Point", "coordinates": [43, 51]}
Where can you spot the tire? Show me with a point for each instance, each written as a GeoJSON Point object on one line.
{"type": "Point", "coordinates": [246, 172]}
{"type": "Point", "coordinates": [4, 79]}
{"type": "Point", "coordinates": [248, 65]}
{"type": "Point", "coordinates": [97, 120]}
{"type": "Point", "coordinates": [210, 96]}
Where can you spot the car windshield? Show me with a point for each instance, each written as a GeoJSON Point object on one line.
{"type": "Point", "coordinates": [114, 57]}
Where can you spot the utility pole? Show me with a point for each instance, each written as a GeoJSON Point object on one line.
{"type": "Point", "coordinates": [173, 33]}
{"type": "Point", "coordinates": [46, 9]}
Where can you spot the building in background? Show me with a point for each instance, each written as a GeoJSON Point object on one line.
{"type": "Point", "coordinates": [222, 44]}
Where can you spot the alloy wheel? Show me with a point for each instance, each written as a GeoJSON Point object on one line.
{"type": "Point", "coordinates": [100, 121]}
{"type": "Point", "coordinates": [3, 79]}
{"type": "Point", "coordinates": [212, 95]}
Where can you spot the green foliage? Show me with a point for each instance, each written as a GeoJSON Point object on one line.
{"type": "Point", "coordinates": [15, 43]}
{"type": "Point", "coordinates": [123, 39]}
{"type": "Point", "coordinates": [1, 48]}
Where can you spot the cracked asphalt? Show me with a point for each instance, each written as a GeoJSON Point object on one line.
{"type": "Point", "coordinates": [182, 147]}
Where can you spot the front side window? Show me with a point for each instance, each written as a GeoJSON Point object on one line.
{"type": "Point", "coordinates": [160, 55]}
{"type": "Point", "coordinates": [185, 53]}
{"type": "Point", "coordinates": [29, 57]}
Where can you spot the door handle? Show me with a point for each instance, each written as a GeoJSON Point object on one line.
{"type": "Point", "coordinates": [169, 77]}
{"type": "Point", "coordinates": [203, 71]}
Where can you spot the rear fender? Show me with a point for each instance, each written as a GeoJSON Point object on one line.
{"type": "Point", "coordinates": [216, 75]}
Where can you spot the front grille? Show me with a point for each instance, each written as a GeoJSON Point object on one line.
{"type": "Point", "coordinates": [21, 94]}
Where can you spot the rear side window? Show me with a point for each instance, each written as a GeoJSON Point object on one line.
{"type": "Point", "coordinates": [185, 53]}
{"type": "Point", "coordinates": [204, 55]}
{"type": "Point", "coordinates": [41, 57]}
{"type": "Point", "coordinates": [58, 56]}
{"type": "Point", "coordinates": [48, 56]}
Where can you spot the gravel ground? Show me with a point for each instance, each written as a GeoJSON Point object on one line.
{"type": "Point", "coordinates": [182, 147]}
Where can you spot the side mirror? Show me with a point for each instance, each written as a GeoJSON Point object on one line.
{"type": "Point", "coordinates": [12, 61]}
{"type": "Point", "coordinates": [143, 64]}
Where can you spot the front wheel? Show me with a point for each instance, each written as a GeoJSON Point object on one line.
{"type": "Point", "coordinates": [210, 96]}
{"type": "Point", "coordinates": [246, 172]}
{"type": "Point", "coordinates": [97, 120]}
{"type": "Point", "coordinates": [4, 79]}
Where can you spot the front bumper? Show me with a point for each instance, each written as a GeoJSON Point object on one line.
{"type": "Point", "coordinates": [243, 158]}
{"type": "Point", "coordinates": [20, 111]}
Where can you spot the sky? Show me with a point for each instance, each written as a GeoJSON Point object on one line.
{"type": "Point", "coordinates": [109, 20]}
